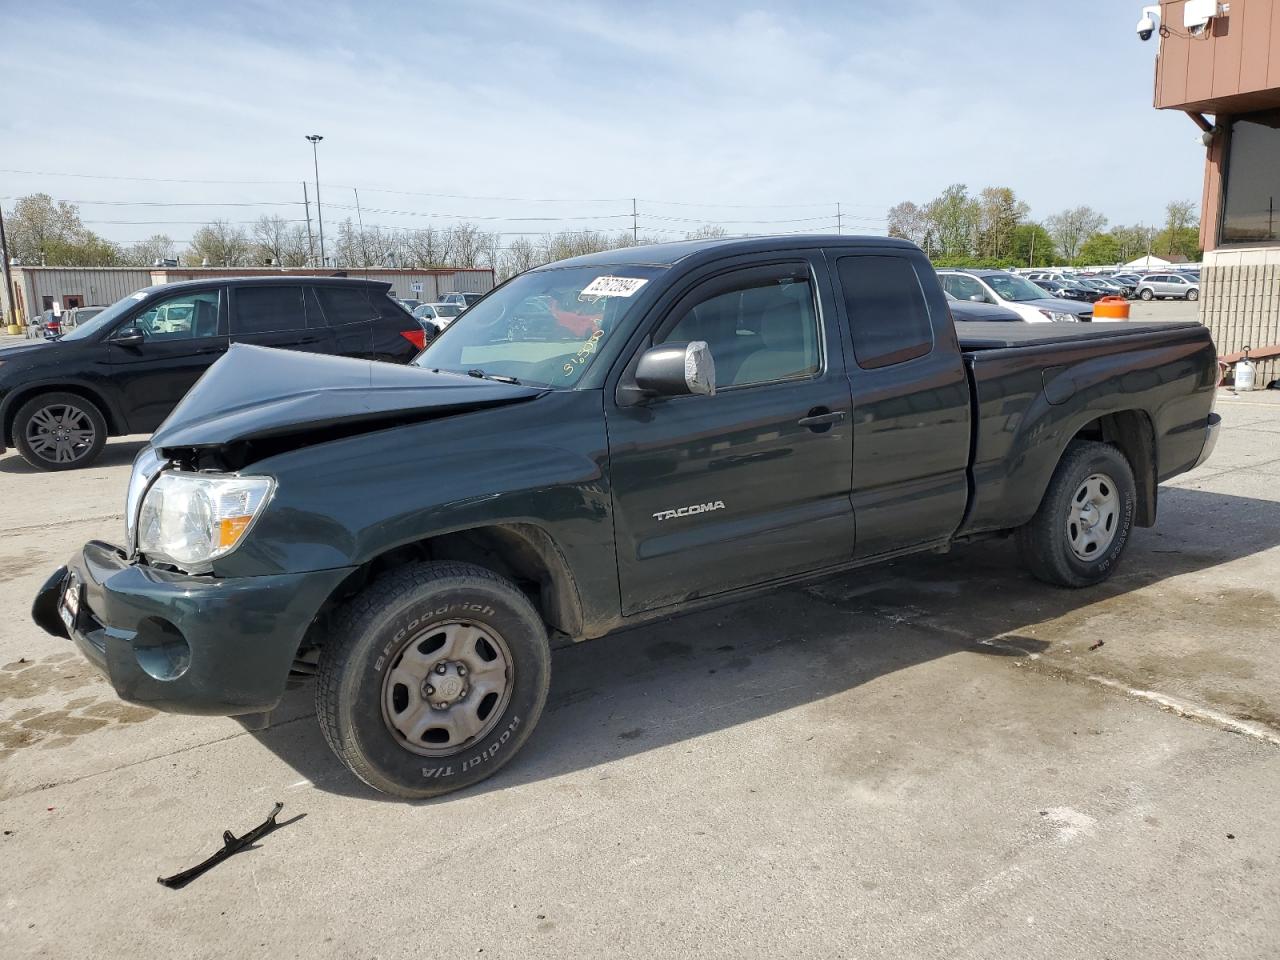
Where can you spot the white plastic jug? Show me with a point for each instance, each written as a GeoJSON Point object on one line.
{"type": "Point", "coordinates": [1245, 373]}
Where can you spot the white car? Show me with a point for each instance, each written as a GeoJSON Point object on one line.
{"type": "Point", "coordinates": [1003, 289]}
{"type": "Point", "coordinates": [439, 315]}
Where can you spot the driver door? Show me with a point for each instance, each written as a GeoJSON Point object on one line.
{"type": "Point", "coordinates": [183, 334]}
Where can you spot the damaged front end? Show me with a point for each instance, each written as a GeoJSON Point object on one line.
{"type": "Point", "coordinates": [257, 402]}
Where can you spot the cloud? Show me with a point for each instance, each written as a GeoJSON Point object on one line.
{"type": "Point", "coordinates": [797, 103]}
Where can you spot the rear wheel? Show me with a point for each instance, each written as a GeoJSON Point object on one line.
{"type": "Point", "coordinates": [1147, 295]}
{"type": "Point", "coordinates": [432, 679]}
{"type": "Point", "coordinates": [1078, 534]}
{"type": "Point", "coordinates": [59, 431]}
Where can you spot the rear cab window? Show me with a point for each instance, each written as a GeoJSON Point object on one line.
{"type": "Point", "coordinates": [888, 317]}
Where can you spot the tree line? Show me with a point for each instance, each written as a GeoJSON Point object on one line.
{"type": "Point", "coordinates": [994, 229]}
{"type": "Point", "coordinates": [45, 231]}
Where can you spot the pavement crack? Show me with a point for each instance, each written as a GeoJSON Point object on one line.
{"type": "Point", "coordinates": [1194, 711]}
{"type": "Point", "coordinates": [64, 523]}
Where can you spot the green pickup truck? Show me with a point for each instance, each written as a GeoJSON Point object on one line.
{"type": "Point", "coordinates": [596, 443]}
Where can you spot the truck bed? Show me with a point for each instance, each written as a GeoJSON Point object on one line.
{"type": "Point", "coordinates": [1034, 385]}
{"type": "Point", "coordinates": [995, 336]}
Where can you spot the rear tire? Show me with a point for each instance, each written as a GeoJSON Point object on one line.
{"type": "Point", "coordinates": [1079, 533]}
{"type": "Point", "coordinates": [59, 431]}
{"type": "Point", "coordinates": [432, 678]}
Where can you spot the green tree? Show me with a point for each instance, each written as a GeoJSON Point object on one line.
{"type": "Point", "coordinates": [43, 230]}
{"type": "Point", "coordinates": [953, 218]}
{"type": "Point", "coordinates": [999, 213]}
{"type": "Point", "coordinates": [220, 243]}
{"type": "Point", "coordinates": [1031, 246]}
{"type": "Point", "coordinates": [1072, 227]}
{"type": "Point", "coordinates": [1102, 249]}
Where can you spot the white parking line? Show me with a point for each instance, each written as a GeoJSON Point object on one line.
{"type": "Point", "coordinates": [1186, 708]}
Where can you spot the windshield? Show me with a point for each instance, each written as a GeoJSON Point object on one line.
{"type": "Point", "coordinates": [447, 309]}
{"type": "Point", "coordinates": [106, 318]}
{"type": "Point", "coordinates": [544, 327]}
{"type": "Point", "coordinates": [1009, 286]}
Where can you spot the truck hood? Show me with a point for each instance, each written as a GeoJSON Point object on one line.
{"type": "Point", "coordinates": [258, 393]}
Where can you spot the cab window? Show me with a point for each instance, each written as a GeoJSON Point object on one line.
{"type": "Point", "coordinates": [761, 326]}
{"type": "Point", "coordinates": [182, 316]}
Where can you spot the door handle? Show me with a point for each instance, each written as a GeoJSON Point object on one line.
{"type": "Point", "coordinates": [821, 417]}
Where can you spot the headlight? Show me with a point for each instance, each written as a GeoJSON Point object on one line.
{"type": "Point", "coordinates": [191, 519]}
{"type": "Point", "coordinates": [1065, 318]}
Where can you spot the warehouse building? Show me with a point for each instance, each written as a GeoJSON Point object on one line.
{"type": "Point", "coordinates": [1223, 59]}
{"type": "Point", "coordinates": [36, 289]}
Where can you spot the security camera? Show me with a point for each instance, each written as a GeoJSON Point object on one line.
{"type": "Point", "coordinates": [1147, 25]}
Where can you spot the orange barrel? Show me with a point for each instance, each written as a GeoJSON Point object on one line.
{"type": "Point", "coordinates": [1111, 308]}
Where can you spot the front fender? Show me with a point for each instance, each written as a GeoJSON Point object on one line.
{"type": "Point", "coordinates": [346, 502]}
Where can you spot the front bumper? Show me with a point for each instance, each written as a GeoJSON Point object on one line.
{"type": "Point", "coordinates": [180, 643]}
{"type": "Point", "coordinates": [1211, 431]}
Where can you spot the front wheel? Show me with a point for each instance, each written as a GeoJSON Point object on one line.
{"type": "Point", "coordinates": [432, 679]}
{"type": "Point", "coordinates": [1147, 295]}
{"type": "Point", "coordinates": [1193, 295]}
{"type": "Point", "coordinates": [1082, 526]}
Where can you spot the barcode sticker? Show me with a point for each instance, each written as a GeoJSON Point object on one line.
{"type": "Point", "coordinates": [612, 287]}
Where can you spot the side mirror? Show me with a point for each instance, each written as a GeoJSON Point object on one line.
{"type": "Point", "coordinates": [978, 298]}
{"type": "Point", "coordinates": [677, 370]}
{"type": "Point", "coordinates": [129, 337]}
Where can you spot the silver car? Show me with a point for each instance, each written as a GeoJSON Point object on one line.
{"type": "Point", "coordinates": [1161, 286]}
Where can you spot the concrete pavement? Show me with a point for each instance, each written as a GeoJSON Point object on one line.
{"type": "Point", "coordinates": [927, 759]}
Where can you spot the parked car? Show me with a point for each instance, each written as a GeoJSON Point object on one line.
{"type": "Point", "coordinates": [77, 315]}
{"type": "Point", "coordinates": [463, 300]}
{"type": "Point", "coordinates": [438, 315]}
{"type": "Point", "coordinates": [745, 413]}
{"type": "Point", "coordinates": [1029, 301]}
{"type": "Point", "coordinates": [50, 324]}
{"type": "Point", "coordinates": [1048, 275]}
{"type": "Point", "coordinates": [409, 303]}
{"type": "Point", "coordinates": [124, 370]}
{"type": "Point", "coordinates": [1104, 286]}
{"type": "Point", "coordinates": [1166, 286]}
{"type": "Point", "coordinates": [968, 311]}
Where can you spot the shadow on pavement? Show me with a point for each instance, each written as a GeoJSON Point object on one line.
{"type": "Point", "coordinates": [680, 679]}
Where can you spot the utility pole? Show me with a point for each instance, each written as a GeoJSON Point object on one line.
{"type": "Point", "coordinates": [315, 138]}
{"type": "Point", "coordinates": [839, 219]}
{"type": "Point", "coordinates": [8, 280]}
{"type": "Point", "coordinates": [364, 250]}
{"type": "Point", "coordinates": [1031, 260]}
{"type": "Point", "coordinates": [635, 223]}
{"type": "Point", "coordinates": [311, 243]}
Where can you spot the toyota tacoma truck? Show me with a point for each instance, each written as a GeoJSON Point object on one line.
{"type": "Point", "coordinates": [597, 443]}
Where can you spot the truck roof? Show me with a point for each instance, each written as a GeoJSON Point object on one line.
{"type": "Point", "coordinates": [677, 251]}
{"type": "Point", "coordinates": [267, 281]}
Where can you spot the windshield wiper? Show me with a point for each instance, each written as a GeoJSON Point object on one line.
{"type": "Point", "coordinates": [481, 375]}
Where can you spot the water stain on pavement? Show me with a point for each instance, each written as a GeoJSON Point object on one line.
{"type": "Point", "coordinates": [57, 726]}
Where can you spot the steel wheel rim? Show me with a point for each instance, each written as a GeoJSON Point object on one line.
{"type": "Point", "coordinates": [60, 433]}
{"type": "Point", "coordinates": [1094, 517]}
{"type": "Point", "coordinates": [447, 687]}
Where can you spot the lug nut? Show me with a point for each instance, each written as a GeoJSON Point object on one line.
{"type": "Point", "coordinates": [462, 670]}
{"type": "Point", "coordinates": [441, 668]}
{"type": "Point", "coordinates": [430, 689]}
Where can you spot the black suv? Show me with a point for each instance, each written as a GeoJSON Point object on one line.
{"type": "Point", "coordinates": [122, 371]}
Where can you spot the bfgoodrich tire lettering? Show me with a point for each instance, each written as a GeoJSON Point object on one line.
{"type": "Point", "coordinates": [368, 641]}
{"type": "Point", "coordinates": [1052, 543]}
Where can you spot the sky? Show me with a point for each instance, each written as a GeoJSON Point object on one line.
{"type": "Point", "coordinates": [535, 117]}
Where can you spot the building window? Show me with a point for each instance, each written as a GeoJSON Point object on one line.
{"type": "Point", "coordinates": [1251, 210]}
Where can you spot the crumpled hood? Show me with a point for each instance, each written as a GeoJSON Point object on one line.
{"type": "Point", "coordinates": [253, 393]}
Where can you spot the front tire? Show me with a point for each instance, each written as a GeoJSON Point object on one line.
{"type": "Point", "coordinates": [1193, 295]}
{"type": "Point", "coordinates": [59, 431]}
{"type": "Point", "coordinates": [1079, 532]}
{"type": "Point", "coordinates": [432, 678]}
{"type": "Point", "coordinates": [1147, 295]}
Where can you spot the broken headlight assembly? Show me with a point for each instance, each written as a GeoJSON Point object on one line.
{"type": "Point", "coordinates": [190, 519]}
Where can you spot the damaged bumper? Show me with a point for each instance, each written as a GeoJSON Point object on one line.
{"type": "Point", "coordinates": [180, 643]}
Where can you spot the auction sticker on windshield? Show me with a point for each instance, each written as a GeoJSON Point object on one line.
{"type": "Point", "coordinates": [611, 287]}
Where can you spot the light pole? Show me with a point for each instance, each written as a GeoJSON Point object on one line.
{"type": "Point", "coordinates": [315, 138]}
